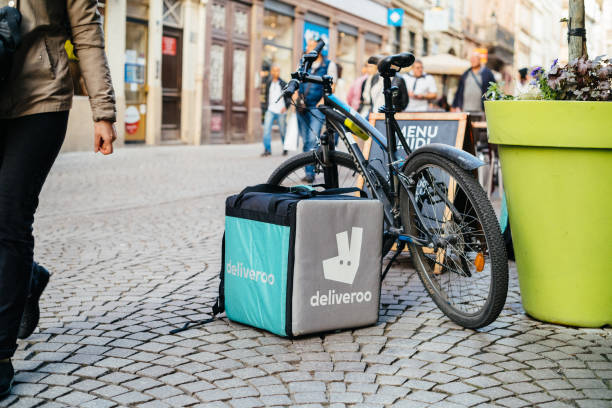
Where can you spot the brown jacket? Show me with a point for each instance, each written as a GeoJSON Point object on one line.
{"type": "Point", "coordinates": [40, 75]}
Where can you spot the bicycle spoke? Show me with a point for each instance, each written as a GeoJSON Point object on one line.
{"type": "Point", "coordinates": [451, 268]}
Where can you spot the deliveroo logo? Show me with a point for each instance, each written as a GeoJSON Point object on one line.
{"type": "Point", "coordinates": [343, 267]}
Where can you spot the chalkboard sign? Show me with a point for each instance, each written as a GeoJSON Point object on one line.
{"type": "Point", "coordinates": [419, 128]}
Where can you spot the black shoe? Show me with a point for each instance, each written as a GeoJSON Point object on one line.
{"type": "Point", "coordinates": [266, 153]}
{"type": "Point", "coordinates": [31, 312]}
{"type": "Point", "coordinates": [7, 374]}
{"type": "Point", "coordinates": [285, 152]}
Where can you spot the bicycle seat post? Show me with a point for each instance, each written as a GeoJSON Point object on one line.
{"type": "Point", "coordinates": [389, 117]}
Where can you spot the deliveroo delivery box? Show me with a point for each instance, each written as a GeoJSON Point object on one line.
{"type": "Point", "coordinates": [298, 261]}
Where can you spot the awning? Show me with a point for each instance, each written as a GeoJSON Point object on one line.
{"type": "Point", "coordinates": [444, 64]}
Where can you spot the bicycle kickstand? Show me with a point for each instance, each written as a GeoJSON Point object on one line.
{"type": "Point", "coordinates": [400, 247]}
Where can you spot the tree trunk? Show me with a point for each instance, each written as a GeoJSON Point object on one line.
{"type": "Point", "coordinates": [576, 42]}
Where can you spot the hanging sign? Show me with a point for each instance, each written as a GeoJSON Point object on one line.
{"type": "Point", "coordinates": [436, 19]}
{"type": "Point", "coordinates": [395, 17]}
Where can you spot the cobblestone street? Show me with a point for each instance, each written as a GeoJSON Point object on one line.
{"type": "Point", "coordinates": [133, 242]}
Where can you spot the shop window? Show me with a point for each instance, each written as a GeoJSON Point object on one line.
{"type": "Point", "coordinates": [397, 42]}
{"type": "Point", "coordinates": [347, 56]}
{"type": "Point", "coordinates": [277, 44]}
{"type": "Point", "coordinates": [173, 13]}
{"type": "Point", "coordinates": [218, 16]}
{"type": "Point", "coordinates": [217, 55]}
{"type": "Point", "coordinates": [371, 48]}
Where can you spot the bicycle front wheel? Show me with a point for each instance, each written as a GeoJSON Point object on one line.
{"type": "Point", "coordinates": [465, 271]}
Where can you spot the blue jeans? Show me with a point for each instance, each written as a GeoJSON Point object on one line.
{"type": "Point", "coordinates": [269, 119]}
{"type": "Point", "coordinates": [309, 125]}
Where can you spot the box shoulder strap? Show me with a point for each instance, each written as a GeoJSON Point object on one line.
{"type": "Point", "coordinates": [218, 307]}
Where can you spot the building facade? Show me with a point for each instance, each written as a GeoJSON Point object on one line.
{"type": "Point", "coordinates": [190, 71]}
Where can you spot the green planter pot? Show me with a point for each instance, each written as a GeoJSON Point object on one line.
{"type": "Point", "coordinates": [556, 159]}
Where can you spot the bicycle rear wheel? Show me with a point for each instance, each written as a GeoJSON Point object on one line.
{"type": "Point", "coordinates": [466, 274]}
{"type": "Point", "coordinates": [292, 173]}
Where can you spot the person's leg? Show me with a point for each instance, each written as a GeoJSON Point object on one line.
{"type": "Point", "coordinates": [316, 119]}
{"type": "Point", "coordinates": [303, 128]}
{"type": "Point", "coordinates": [282, 126]}
{"type": "Point", "coordinates": [268, 121]}
{"type": "Point", "coordinates": [29, 148]}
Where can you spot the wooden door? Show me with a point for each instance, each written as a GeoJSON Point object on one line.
{"type": "Point", "coordinates": [228, 78]}
{"type": "Point", "coordinates": [172, 56]}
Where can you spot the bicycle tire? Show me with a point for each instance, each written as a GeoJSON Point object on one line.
{"type": "Point", "coordinates": [480, 204]}
{"type": "Point", "coordinates": [308, 159]}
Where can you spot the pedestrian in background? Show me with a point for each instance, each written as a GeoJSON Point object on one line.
{"type": "Point", "coordinates": [421, 88]}
{"type": "Point", "coordinates": [353, 96]}
{"type": "Point", "coordinates": [365, 94]}
{"type": "Point", "coordinates": [34, 102]}
{"type": "Point", "coordinates": [472, 86]}
{"type": "Point", "coordinates": [310, 119]}
{"type": "Point", "coordinates": [523, 82]}
{"type": "Point", "coordinates": [377, 97]}
{"type": "Point", "coordinates": [276, 109]}
{"type": "Point", "coordinates": [340, 85]}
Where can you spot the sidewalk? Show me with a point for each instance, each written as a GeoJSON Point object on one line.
{"type": "Point", "coordinates": [133, 241]}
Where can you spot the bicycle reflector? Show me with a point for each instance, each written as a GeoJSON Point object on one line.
{"type": "Point", "coordinates": [479, 262]}
{"type": "Point", "coordinates": [356, 130]}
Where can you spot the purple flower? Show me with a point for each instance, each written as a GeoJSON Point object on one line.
{"type": "Point", "coordinates": [554, 63]}
{"type": "Point", "coordinates": [536, 71]}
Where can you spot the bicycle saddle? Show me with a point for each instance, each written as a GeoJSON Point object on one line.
{"type": "Point", "coordinates": [390, 65]}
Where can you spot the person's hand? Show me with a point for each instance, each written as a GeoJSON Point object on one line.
{"type": "Point", "coordinates": [283, 109]}
{"type": "Point", "coordinates": [411, 94]}
{"type": "Point", "coordinates": [455, 109]}
{"type": "Point", "coordinates": [104, 136]}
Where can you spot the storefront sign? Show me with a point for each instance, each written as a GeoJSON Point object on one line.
{"type": "Point", "coordinates": [169, 46]}
{"type": "Point", "coordinates": [395, 17]}
{"type": "Point", "coordinates": [132, 120]}
{"type": "Point", "coordinates": [216, 123]}
{"type": "Point", "coordinates": [315, 31]}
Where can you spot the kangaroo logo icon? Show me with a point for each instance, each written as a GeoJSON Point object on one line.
{"type": "Point", "coordinates": [343, 268]}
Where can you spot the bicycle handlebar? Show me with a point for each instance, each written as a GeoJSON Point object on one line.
{"type": "Point", "coordinates": [291, 87]}
{"type": "Point", "coordinates": [301, 74]}
{"type": "Point", "coordinates": [319, 47]}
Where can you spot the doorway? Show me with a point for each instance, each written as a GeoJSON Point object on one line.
{"type": "Point", "coordinates": [228, 81]}
{"type": "Point", "coordinates": [172, 57]}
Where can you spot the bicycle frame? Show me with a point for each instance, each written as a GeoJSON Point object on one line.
{"type": "Point", "coordinates": [336, 113]}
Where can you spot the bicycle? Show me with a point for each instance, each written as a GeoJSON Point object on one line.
{"type": "Point", "coordinates": [432, 201]}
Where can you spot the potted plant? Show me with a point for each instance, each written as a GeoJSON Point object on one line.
{"type": "Point", "coordinates": [555, 147]}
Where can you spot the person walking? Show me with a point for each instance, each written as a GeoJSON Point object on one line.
{"type": "Point", "coordinates": [472, 86]}
{"type": "Point", "coordinates": [35, 99]}
{"type": "Point", "coordinates": [310, 119]}
{"type": "Point", "coordinates": [276, 109]}
{"type": "Point", "coordinates": [353, 96]}
{"type": "Point", "coordinates": [421, 87]}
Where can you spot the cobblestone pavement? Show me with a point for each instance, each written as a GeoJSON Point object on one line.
{"type": "Point", "coordinates": [133, 241]}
